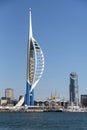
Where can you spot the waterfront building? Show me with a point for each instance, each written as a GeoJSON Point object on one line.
{"type": "Point", "coordinates": [35, 66]}
{"type": "Point", "coordinates": [73, 89]}
{"type": "Point", "coordinates": [84, 100]}
{"type": "Point", "coordinates": [9, 93]}
{"type": "Point", "coordinates": [3, 102]}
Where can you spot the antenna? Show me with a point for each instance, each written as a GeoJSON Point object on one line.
{"type": "Point", "coordinates": [30, 28]}
{"type": "Point", "coordinates": [29, 9]}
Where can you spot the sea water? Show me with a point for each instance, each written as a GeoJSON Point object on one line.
{"type": "Point", "coordinates": [43, 121]}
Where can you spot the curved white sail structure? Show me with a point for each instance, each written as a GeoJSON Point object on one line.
{"type": "Point", "coordinates": [36, 63]}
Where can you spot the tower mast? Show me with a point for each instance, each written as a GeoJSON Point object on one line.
{"type": "Point", "coordinates": [30, 28]}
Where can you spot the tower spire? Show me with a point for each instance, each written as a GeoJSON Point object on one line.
{"type": "Point", "coordinates": [30, 30]}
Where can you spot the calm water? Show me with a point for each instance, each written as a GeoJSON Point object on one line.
{"type": "Point", "coordinates": [43, 121]}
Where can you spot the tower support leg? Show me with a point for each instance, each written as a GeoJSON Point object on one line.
{"type": "Point", "coordinates": [29, 97]}
{"type": "Point", "coordinates": [32, 98]}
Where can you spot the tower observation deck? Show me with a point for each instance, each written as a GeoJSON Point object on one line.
{"type": "Point", "coordinates": [35, 66]}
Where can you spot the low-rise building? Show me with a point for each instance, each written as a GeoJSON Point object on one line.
{"type": "Point", "coordinates": [84, 100]}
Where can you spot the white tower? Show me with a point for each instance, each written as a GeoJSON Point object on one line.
{"type": "Point", "coordinates": [35, 66]}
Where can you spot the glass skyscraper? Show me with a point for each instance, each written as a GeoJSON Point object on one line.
{"type": "Point", "coordinates": [35, 66]}
{"type": "Point", "coordinates": [73, 89]}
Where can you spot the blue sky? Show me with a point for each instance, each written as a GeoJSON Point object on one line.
{"type": "Point", "coordinates": [60, 27]}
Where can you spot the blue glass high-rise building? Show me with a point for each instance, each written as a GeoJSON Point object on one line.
{"type": "Point", "coordinates": [35, 66]}
{"type": "Point", "coordinates": [73, 87]}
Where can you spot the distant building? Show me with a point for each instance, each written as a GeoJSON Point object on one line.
{"type": "Point", "coordinates": [3, 102]}
{"type": "Point", "coordinates": [84, 100]}
{"type": "Point", "coordinates": [9, 93]}
{"type": "Point", "coordinates": [73, 89]}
